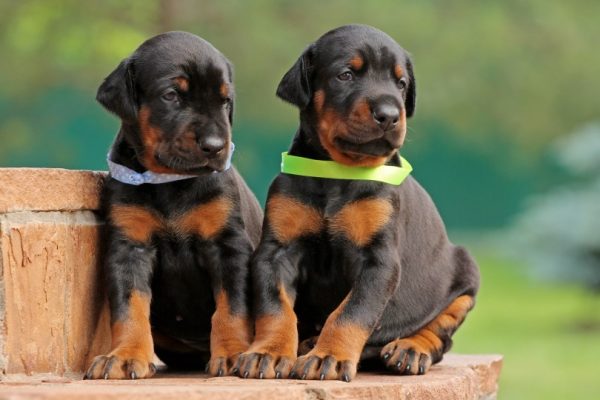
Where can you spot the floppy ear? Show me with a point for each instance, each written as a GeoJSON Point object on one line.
{"type": "Point", "coordinates": [411, 96]}
{"type": "Point", "coordinates": [117, 92]}
{"type": "Point", "coordinates": [295, 84]}
{"type": "Point", "coordinates": [230, 74]}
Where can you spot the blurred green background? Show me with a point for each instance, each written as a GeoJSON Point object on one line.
{"type": "Point", "coordinates": [500, 87]}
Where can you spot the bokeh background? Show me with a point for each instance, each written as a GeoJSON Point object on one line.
{"type": "Point", "coordinates": [506, 137]}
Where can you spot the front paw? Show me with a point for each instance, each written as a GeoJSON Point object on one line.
{"type": "Point", "coordinates": [324, 367]}
{"type": "Point", "coordinates": [263, 365]}
{"type": "Point", "coordinates": [121, 365]}
{"type": "Point", "coordinates": [222, 365]}
{"type": "Point", "coordinates": [406, 357]}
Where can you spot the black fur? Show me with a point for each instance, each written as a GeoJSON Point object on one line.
{"type": "Point", "coordinates": [409, 272]}
{"type": "Point", "coordinates": [182, 271]}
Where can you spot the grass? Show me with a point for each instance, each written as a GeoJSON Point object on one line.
{"type": "Point", "coordinates": [549, 334]}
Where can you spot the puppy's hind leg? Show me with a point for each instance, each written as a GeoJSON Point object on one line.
{"type": "Point", "coordinates": [417, 353]}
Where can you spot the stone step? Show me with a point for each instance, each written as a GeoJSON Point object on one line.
{"type": "Point", "coordinates": [54, 318]}
{"type": "Point", "coordinates": [457, 377]}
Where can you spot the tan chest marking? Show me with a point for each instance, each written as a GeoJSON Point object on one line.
{"type": "Point", "coordinates": [136, 222]}
{"type": "Point", "coordinates": [360, 220]}
{"type": "Point", "coordinates": [139, 224]}
{"type": "Point", "coordinates": [207, 219]}
{"type": "Point", "coordinates": [289, 219]}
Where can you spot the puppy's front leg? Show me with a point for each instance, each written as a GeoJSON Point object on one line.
{"type": "Point", "coordinates": [128, 274]}
{"type": "Point", "coordinates": [363, 229]}
{"type": "Point", "coordinates": [274, 271]}
{"type": "Point", "coordinates": [346, 330]}
{"type": "Point", "coordinates": [231, 325]}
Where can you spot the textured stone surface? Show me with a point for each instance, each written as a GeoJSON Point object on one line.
{"type": "Point", "coordinates": [457, 377]}
{"type": "Point", "coordinates": [51, 307]}
{"type": "Point", "coordinates": [53, 317]}
{"type": "Point", "coordinates": [48, 189]}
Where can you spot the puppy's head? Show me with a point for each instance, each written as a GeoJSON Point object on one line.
{"type": "Point", "coordinates": [174, 95]}
{"type": "Point", "coordinates": [356, 86]}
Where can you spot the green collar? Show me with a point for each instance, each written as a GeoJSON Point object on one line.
{"type": "Point", "coordinates": [295, 165]}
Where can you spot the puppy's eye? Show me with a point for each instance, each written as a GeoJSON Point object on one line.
{"type": "Point", "coordinates": [402, 83]}
{"type": "Point", "coordinates": [169, 96]}
{"type": "Point", "coordinates": [346, 76]}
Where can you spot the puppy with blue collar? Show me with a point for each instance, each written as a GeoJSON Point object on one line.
{"type": "Point", "coordinates": [181, 222]}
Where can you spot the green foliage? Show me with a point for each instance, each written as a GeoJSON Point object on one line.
{"type": "Point", "coordinates": [559, 231]}
{"type": "Point", "coordinates": [549, 335]}
{"type": "Point", "coordinates": [527, 70]}
{"type": "Point", "coordinates": [497, 81]}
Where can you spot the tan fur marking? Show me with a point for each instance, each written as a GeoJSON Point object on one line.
{"type": "Point", "coordinates": [132, 338]}
{"type": "Point", "coordinates": [453, 315]}
{"type": "Point", "coordinates": [137, 223]}
{"type": "Point", "coordinates": [289, 218]}
{"type": "Point", "coordinates": [230, 334]}
{"type": "Point", "coordinates": [427, 340]}
{"type": "Point", "coordinates": [319, 100]}
{"type": "Point", "coordinates": [357, 62]}
{"type": "Point", "coordinates": [402, 126]}
{"type": "Point", "coordinates": [398, 71]}
{"type": "Point", "coordinates": [361, 113]}
{"type": "Point", "coordinates": [182, 83]}
{"type": "Point", "coordinates": [277, 333]}
{"type": "Point", "coordinates": [224, 90]}
{"type": "Point", "coordinates": [151, 137]}
{"type": "Point", "coordinates": [331, 125]}
{"type": "Point", "coordinates": [341, 339]}
{"type": "Point", "coordinates": [362, 219]}
{"type": "Point", "coordinates": [207, 219]}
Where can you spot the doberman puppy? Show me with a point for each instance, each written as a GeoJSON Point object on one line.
{"type": "Point", "coordinates": [363, 265]}
{"type": "Point", "coordinates": [181, 224]}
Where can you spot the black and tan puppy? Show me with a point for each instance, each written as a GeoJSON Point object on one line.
{"type": "Point", "coordinates": [363, 265]}
{"type": "Point", "coordinates": [181, 225]}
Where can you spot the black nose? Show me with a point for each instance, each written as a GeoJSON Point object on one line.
{"type": "Point", "coordinates": [211, 145]}
{"type": "Point", "coordinates": [386, 116]}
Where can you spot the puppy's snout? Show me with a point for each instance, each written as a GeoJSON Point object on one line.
{"type": "Point", "coordinates": [386, 115]}
{"type": "Point", "coordinates": [211, 145]}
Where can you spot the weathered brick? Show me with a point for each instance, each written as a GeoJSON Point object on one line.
{"type": "Point", "coordinates": [51, 304]}
{"type": "Point", "coordinates": [49, 189]}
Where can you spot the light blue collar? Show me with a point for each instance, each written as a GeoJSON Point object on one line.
{"type": "Point", "coordinates": [128, 176]}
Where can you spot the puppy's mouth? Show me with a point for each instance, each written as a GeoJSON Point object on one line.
{"type": "Point", "coordinates": [357, 148]}
{"type": "Point", "coordinates": [183, 165]}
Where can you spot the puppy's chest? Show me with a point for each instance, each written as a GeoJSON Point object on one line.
{"type": "Point", "coordinates": [356, 220]}
{"type": "Point", "coordinates": [142, 222]}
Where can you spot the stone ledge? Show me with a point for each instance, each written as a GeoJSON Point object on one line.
{"type": "Point", "coordinates": [53, 317]}
{"type": "Point", "coordinates": [457, 377]}
{"type": "Point", "coordinates": [49, 189]}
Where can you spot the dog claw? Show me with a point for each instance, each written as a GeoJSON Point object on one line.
{"type": "Point", "coordinates": [277, 375]}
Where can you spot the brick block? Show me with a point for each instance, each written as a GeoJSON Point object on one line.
{"type": "Point", "coordinates": [53, 315]}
